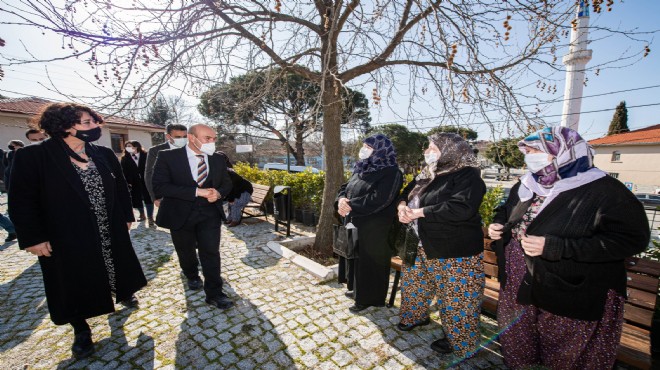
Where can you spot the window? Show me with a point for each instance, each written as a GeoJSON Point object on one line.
{"type": "Point", "coordinates": [616, 156]}
{"type": "Point", "coordinates": [614, 174]}
{"type": "Point", "coordinates": [117, 142]}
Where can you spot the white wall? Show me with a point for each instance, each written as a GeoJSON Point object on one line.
{"type": "Point", "coordinates": [143, 137]}
{"type": "Point", "coordinates": [639, 164]}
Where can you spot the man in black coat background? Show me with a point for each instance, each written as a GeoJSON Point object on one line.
{"type": "Point", "coordinates": [191, 182]}
{"type": "Point", "coordinates": [176, 138]}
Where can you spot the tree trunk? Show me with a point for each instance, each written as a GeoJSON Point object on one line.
{"type": "Point", "coordinates": [334, 175]}
{"type": "Point", "coordinates": [300, 151]}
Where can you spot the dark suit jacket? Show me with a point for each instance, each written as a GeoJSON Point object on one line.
{"type": "Point", "coordinates": [149, 168]}
{"type": "Point", "coordinates": [134, 174]}
{"type": "Point", "coordinates": [173, 182]}
{"type": "Point", "coordinates": [49, 203]}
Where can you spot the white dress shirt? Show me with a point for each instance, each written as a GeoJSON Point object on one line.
{"type": "Point", "coordinates": [136, 158]}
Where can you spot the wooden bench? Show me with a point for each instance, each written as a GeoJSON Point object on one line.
{"type": "Point", "coordinates": [642, 289]}
{"type": "Point", "coordinates": [259, 195]}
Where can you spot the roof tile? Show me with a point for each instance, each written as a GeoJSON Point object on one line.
{"type": "Point", "coordinates": [647, 135]}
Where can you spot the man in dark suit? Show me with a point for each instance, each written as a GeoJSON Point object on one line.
{"type": "Point", "coordinates": [191, 182]}
{"type": "Point", "coordinates": [176, 137]}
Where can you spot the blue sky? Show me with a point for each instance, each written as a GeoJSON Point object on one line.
{"type": "Point", "coordinates": [67, 76]}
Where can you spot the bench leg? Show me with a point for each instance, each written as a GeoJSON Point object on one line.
{"type": "Point", "coordinates": [395, 286]}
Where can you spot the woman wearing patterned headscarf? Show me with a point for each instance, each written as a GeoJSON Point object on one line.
{"type": "Point", "coordinates": [368, 201]}
{"type": "Point", "coordinates": [562, 238]}
{"type": "Point", "coordinates": [443, 205]}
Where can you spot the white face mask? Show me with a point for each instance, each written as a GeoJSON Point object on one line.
{"type": "Point", "coordinates": [179, 142]}
{"type": "Point", "coordinates": [537, 161]}
{"type": "Point", "coordinates": [34, 142]}
{"type": "Point", "coordinates": [130, 149]}
{"type": "Point", "coordinates": [431, 158]}
{"type": "Point", "coordinates": [208, 148]}
{"type": "Point", "coordinates": [365, 153]}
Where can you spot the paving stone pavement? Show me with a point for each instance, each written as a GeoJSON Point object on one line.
{"type": "Point", "coordinates": [283, 318]}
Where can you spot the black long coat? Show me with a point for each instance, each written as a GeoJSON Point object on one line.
{"type": "Point", "coordinates": [134, 174]}
{"type": "Point", "coordinates": [49, 203]}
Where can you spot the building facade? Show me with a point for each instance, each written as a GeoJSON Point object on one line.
{"type": "Point", "coordinates": [15, 116]}
{"type": "Point", "coordinates": [632, 157]}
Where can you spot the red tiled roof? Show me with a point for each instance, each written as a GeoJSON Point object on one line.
{"type": "Point", "coordinates": [647, 135]}
{"type": "Point", "coordinates": [32, 106]}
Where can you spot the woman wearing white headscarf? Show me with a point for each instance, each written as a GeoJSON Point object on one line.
{"type": "Point", "coordinates": [562, 238]}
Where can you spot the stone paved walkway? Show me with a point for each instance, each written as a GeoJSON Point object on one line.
{"type": "Point", "coordinates": [283, 318]}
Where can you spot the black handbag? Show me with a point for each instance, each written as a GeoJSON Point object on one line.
{"type": "Point", "coordinates": [406, 244]}
{"type": "Point", "coordinates": [345, 241]}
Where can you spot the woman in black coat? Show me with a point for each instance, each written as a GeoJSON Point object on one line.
{"type": "Point", "coordinates": [443, 205]}
{"type": "Point", "coordinates": [368, 202]}
{"type": "Point", "coordinates": [133, 164]}
{"type": "Point", "coordinates": [71, 208]}
{"type": "Point", "coordinates": [562, 238]}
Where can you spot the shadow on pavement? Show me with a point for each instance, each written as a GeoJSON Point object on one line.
{"type": "Point", "coordinates": [22, 308]}
{"type": "Point", "coordinates": [241, 336]}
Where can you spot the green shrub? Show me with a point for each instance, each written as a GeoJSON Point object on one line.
{"type": "Point", "coordinates": [306, 187]}
{"type": "Point", "coordinates": [491, 200]}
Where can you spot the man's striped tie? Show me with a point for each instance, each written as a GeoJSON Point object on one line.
{"type": "Point", "coordinates": [202, 172]}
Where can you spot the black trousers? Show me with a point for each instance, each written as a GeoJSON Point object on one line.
{"type": "Point", "coordinates": [372, 268]}
{"type": "Point", "coordinates": [201, 234]}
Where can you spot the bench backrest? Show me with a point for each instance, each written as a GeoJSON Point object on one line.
{"type": "Point", "coordinates": [259, 193]}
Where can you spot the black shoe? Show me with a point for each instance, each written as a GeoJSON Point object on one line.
{"type": "Point", "coordinates": [82, 345]}
{"type": "Point", "coordinates": [11, 237]}
{"type": "Point", "coordinates": [441, 346]}
{"type": "Point", "coordinates": [409, 327]}
{"type": "Point", "coordinates": [132, 302]}
{"type": "Point", "coordinates": [350, 294]}
{"type": "Point", "coordinates": [358, 307]}
{"type": "Point", "coordinates": [222, 302]}
{"type": "Point", "coordinates": [195, 284]}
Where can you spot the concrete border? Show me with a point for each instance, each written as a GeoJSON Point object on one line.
{"type": "Point", "coordinates": [286, 249]}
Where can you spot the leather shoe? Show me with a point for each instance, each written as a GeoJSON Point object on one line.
{"type": "Point", "coordinates": [361, 307]}
{"type": "Point", "coordinates": [234, 224]}
{"type": "Point", "coordinates": [441, 345]}
{"type": "Point", "coordinates": [350, 294]}
{"type": "Point", "coordinates": [195, 284]}
{"type": "Point", "coordinates": [11, 237]}
{"type": "Point", "coordinates": [132, 302]}
{"type": "Point", "coordinates": [82, 345]}
{"type": "Point", "coordinates": [409, 327]}
{"type": "Point", "coordinates": [222, 302]}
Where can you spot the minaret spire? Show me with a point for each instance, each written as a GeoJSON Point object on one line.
{"type": "Point", "coordinates": [575, 61]}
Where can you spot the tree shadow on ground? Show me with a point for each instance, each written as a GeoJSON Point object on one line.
{"type": "Point", "coordinates": [22, 308]}
{"type": "Point", "coordinates": [255, 234]}
{"type": "Point", "coordinates": [241, 336]}
{"type": "Point", "coordinates": [116, 350]}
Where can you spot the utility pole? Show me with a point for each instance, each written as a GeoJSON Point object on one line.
{"type": "Point", "coordinates": [575, 61]}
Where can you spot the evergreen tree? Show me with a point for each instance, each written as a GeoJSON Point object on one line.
{"type": "Point", "coordinates": [159, 112]}
{"type": "Point", "coordinates": [619, 122]}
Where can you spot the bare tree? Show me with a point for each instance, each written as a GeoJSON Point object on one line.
{"type": "Point", "coordinates": [476, 55]}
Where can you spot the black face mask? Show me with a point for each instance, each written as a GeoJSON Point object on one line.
{"type": "Point", "coordinates": [89, 135]}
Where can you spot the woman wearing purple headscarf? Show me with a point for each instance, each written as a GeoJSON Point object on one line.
{"type": "Point", "coordinates": [368, 201]}
{"type": "Point", "coordinates": [443, 205]}
{"type": "Point", "coordinates": [562, 238]}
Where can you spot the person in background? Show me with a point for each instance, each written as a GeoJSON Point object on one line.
{"type": "Point", "coordinates": [192, 182]}
{"type": "Point", "coordinates": [239, 197]}
{"type": "Point", "coordinates": [176, 137]}
{"type": "Point", "coordinates": [6, 224]}
{"type": "Point", "coordinates": [71, 208]}
{"type": "Point", "coordinates": [8, 160]}
{"type": "Point", "coordinates": [443, 203]}
{"type": "Point", "coordinates": [35, 136]}
{"type": "Point", "coordinates": [561, 240]}
{"type": "Point", "coordinates": [368, 201]}
{"type": "Point", "coordinates": [133, 163]}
